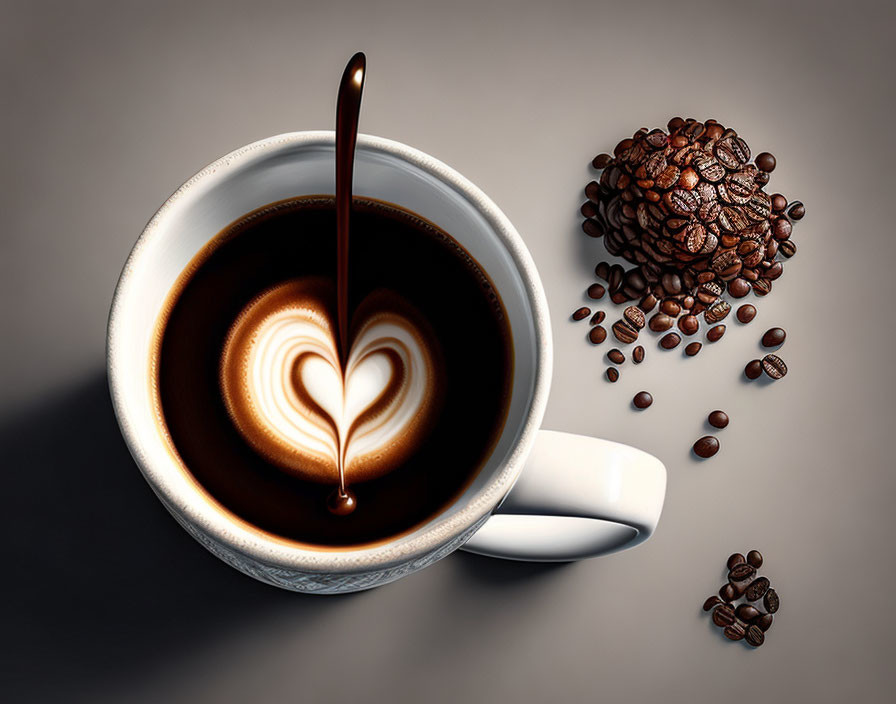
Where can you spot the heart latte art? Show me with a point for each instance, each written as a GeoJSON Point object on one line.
{"type": "Point", "coordinates": [287, 393]}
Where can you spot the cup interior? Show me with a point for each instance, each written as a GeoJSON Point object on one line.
{"type": "Point", "coordinates": [303, 164]}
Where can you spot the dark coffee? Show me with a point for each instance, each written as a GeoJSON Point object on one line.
{"type": "Point", "coordinates": [245, 377]}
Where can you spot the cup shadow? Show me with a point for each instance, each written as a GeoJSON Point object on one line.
{"type": "Point", "coordinates": [479, 570]}
{"type": "Point", "coordinates": [100, 579]}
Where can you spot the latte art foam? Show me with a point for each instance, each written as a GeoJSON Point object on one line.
{"type": "Point", "coordinates": [285, 389]}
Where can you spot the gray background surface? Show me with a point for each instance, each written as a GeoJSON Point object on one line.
{"type": "Point", "coordinates": [109, 107]}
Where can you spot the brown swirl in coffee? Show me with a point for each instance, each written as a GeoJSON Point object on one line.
{"type": "Point", "coordinates": [287, 393]}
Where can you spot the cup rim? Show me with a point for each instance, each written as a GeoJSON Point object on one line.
{"type": "Point", "coordinates": [280, 552]}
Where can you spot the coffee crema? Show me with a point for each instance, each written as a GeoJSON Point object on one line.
{"type": "Point", "coordinates": [255, 402]}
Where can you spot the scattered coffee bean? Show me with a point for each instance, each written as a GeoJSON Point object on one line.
{"type": "Point", "coordinates": [735, 631]}
{"type": "Point", "coordinates": [638, 354]}
{"type": "Point", "coordinates": [598, 317]}
{"type": "Point", "coordinates": [601, 161]}
{"type": "Point", "coordinates": [706, 447]}
{"type": "Point", "coordinates": [754, 557]}
{"type": "Point", "coordinates": [734, 560]}
{"type": "Point", "coordinates": [693, 348]}
{"type": "Point", "coordinates": [614, 278]}
{"type": "Point", "coordinates": [615, 355]}
{"type": "Point", "coordinates": [660, 322]}
{"type": "Point", "coordinates": [612, 374]}
{"type": "Point", "coordinates": [728, 592]}
{"type": "Point", "coordinates": [753, 369]}
{"type": "Point", "coordinates": [581, 313]}
{"type": "Point", "coordinates": [766, 162]}
{"type": "Point", "coordinates": [688, 324]}
{"type": "Point", "coordinates": [796, 211]}
{"type": "Point", "coordinates": [717, 312]}
{"type": "Point", "coordinates": [719, 419]}
{"type": "Point", "coordinates": [763, 622]}
{"type": "Point", "coordinates": [714, 334]}
{"type": "Point", "coordinates": [774, 337]}
{"type": "Point", "coordinates": [624, 332]}
{"type": "Point", "coordinates": [602, 271]}
{"type": "Point", "coordinates": [757, 589]}
{"type": "Point", "coordinates": [670, 307]}
{"type": "Point", "coordinates": [596, 291]}
{"type": "Point", "coordinates": [747, 612]}
{"type": "Point", "coordinates": [598, 334]}
{"type": "Point", "coordinates": [619, 298]}
{"type": "Point", "coordinates": [711, 603]}
{"type": "Point", "coordinates": [634, 316]}
{"type": "Point", "coordinates": [787, 249]}
{"type": "Point", "coordinates": [723, 615]}
{"type": "Point", "coordinates": [642, 400]}
{"type": "Point", "coordinates": [592, 228]}
{"type": "Point", "coordinates": [771, 601]}
{"type": "Point", "coordinates": [589, 210]}
{"type": "Point", "coordinates": [670, 340]}
{"type": "Point", "coordinates": [740, 572]}
{"type": "Point", "coordinates": [648, 303]}
{"type": "Point", "coordinates": [738, 288]}
{"type": "Point", "coordinates": [774, 366]}
{"type": "Point", "coordinates": [779, 203]}
{"type": "Point", "coordinates": [746, 313]}
{"type": "Point", "coordinates": [755, 636]}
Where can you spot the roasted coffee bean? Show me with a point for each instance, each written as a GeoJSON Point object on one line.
{"type": "Point", "coordinates": [719, 419]}
{"type": "Point", "coordinates": [634, 316]}
{"type": "Point", "coordinates": [638, 354]}
{"type": "Point", "coordinates": [735, 559]}
{"type": "Point", "coordinates": [763, 622]}
{"type": "Point", "coordinates": [779, 203]}
{"type": "Point", "coordinates": [796, 211]}
{"type": "Point", "coordinates": [747, 612]}
{"type": "Point", "coordinates": [766, 162]}
{"type": "Point", "coordinates": [648, 303]}
{"type": "Point", "coordinates": [623, 146]}
{"type": "Point", "coordinates": [592, 192]}
{"type": "Point", "coordinates": [634, 283]}
{"type": "Point", "coordinates": [597, 334]}
{"type": "Point", "coordinates": [711, 603]}
{"type": "Point", "coordinates": [746, 313]}
{"type": "Point", "coordinates": [774, 337]}
{"type": "Point", "coordinates": [735, 631]}
{"type": "Point", "coordinates": [754, 557]}
{"type": "Point", "coordinates": [614, 277]}
{"type": "Point", "coordinates": [774, 271]}
{"type": "Point", "coordinates": [598, 317]}
{"type": "Point", "coordinates": [688, 324]}
{"type": "Point", "coordinates": [782, 229]}
{"type": "Point", "coordinates": [660, 322]}
{"type": "Point", "coordinates": [723, 614]}
{"type": "Point", "coordinates": [671, 283]}
{"type": "Point", "coordinates": [753, 369]}
{"type": "Point", "coordinates": [602, 271]}
{"type": "Point", "coordinates": [757, 589]}
{"type": "Point", "coordinates": [755, 636]}
{"type": "Point", "coordinates": [726, 264]}
{"type": "Point", "coordinates": [619, 298]}
{"type": "Point", "coordinates": [593, 228]}
{"type": "Point", "coordinates": [601, 161]}
{"type": "Point", "coordinates": [688, 180]}
{"type": "Point", "coordinates": [738, 287]}
{"type": "Point", "coordinates": [705, 447]}
{"type": "Point", "coordinates": [714, 334]}
{"type": "Point", "coordinates": [612, 375]}
{"type": "Point", "coordinates": [615, 355]}
{"type": "Point", "coordinates": [762, 287]}
{"type": "Point", "coordinates": [693, 348]}
{"type": "Point", "coordinates": [761, 178]}
{"type": "Point", "coordinates": [589, 210]}
{"type": "Point", "coordinates": [670, 340]}
{"type": "Point", "coordinates": [675, 124]}
{"type": "Point", "coordinates": [709, 292]}
{"type": "Point", "coordinates": [741, 572]}
{"type": "Point", "coordinates": [717, 312]}
{"type": "Point", "coordinates": [581, 313]}
{"type": "Point", "coordinates": [771, 601]}
{"type": "Point", "coordinates": [624, 332]}
{"type": "Point", "coordinates": [642, 400]}
{"type": "Point", "coordinates": [787, 249]}
{"type": "Point", "coordinates": [774, 366]}
{"type": "Point", "coordinates": [670, 307]}
{"type": "Point", "coordinates": [680, 201]}
{"type": "Point", "coordinates": [596, 291]}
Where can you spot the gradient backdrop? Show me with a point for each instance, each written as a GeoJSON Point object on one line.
{"type": "Point", "coordinates": [108, 107]}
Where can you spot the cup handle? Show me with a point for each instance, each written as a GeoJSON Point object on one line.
{"type": "Point", "coordinates": [577, 497]}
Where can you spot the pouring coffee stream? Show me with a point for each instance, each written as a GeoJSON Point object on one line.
{"type": "Point", "coordinates": [348, 109]}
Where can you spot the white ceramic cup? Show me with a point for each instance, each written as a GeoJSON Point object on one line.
{"type": "Point", "coordinates": [541, 495]}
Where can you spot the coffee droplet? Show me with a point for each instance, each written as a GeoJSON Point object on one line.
{"type": "Point", "coordinates": [342, 503]}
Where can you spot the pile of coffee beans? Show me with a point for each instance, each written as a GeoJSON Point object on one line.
{"type": "Point", "coordinates": [744, 621]}
{"type": "Point", "coordinates": [688, 208]}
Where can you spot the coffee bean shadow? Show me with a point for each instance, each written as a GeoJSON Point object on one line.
{"type": "Point", "coordinates": [481, 571]}
{"type": "Point", "coordinates": [100, 581]}
{"type": "Point", "coordinates": [761, 381]}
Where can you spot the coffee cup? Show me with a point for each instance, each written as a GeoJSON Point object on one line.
{"type": "Point", "coordinates": [540, 495]}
